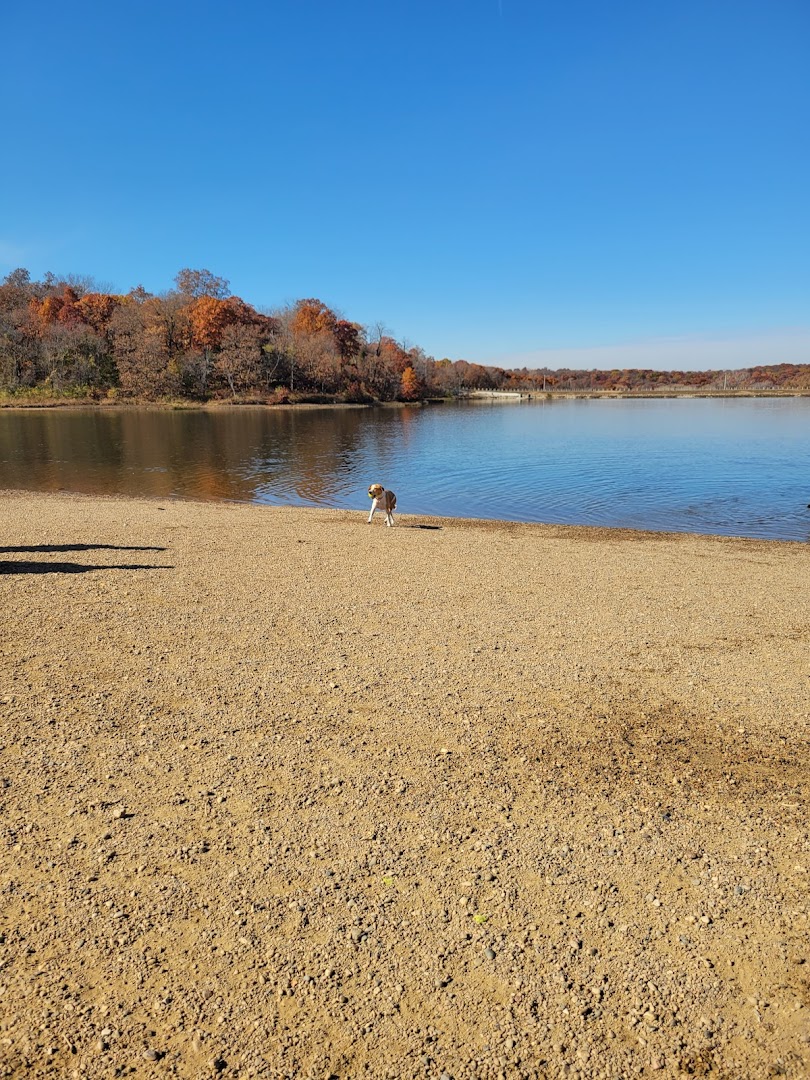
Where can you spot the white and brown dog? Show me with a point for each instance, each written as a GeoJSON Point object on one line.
{"type": "Point", "coordinates": [387, 500]}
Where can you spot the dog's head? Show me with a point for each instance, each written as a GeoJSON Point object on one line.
{"type": "Point", "coordinates": [376, 491]}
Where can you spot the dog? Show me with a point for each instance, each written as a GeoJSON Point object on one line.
{"type": "Point", "coordinates": [387, 500]}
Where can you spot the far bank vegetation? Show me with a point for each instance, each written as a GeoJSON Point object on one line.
{"type": "Point", "coordinates": [66, 338]}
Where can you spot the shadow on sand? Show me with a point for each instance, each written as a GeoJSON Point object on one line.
{"type": "Point", "coordinates": [45, 548]}
{"type": "Point", "coordinates": [67, 567]}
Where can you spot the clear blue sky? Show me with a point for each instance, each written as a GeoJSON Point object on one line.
{"type": "Point", "coordinates": [499, 180]}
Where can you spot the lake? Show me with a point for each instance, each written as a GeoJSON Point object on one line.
{"type": "Point", "coordinates": [730, 466]}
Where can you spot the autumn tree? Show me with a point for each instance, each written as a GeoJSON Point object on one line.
{"type": "Point", "coordinates": [19, 344]}
{"type": "Point", "coordinates": [18, 280]}
{"type": "Point", "coordinates": [77, 357]}
{"type": "Point", "coordinates": [139, 294]}
{"type": "Point", "coordinates": [319, 361]}
{"type": "Point", "coordinates": [246, 357]}
{"type": "Point", "coordinates": [96, 310]}
{"type": "Point", "coordinates": [210, 320]}
{"type": "Point", "coordinates": [239, 361]}
{"type": "Point", "coordinates": [57, 307]}
{"type": "Point", "coordinates": [410, 386]}
{"type": "Point", "coordinates": [72, 352]}
{"type": "Point", "coordinates": [308, 344]}
{"type": "Point", "coordinates": [348, 339]}
{"type": "Point", "coordinates": [150, 340]}
{"type": "Point", "coordinates": [139, 355]}
{"type": "Point", "coordinates": [312, 317]}
{"type": "Point", "coordinates": [381, 365]}
{"type": "Point", "coordinates": [279, 365]}
{"type": "Point", "coordinates": [196, 283]}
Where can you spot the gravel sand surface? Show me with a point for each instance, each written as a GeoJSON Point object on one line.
{"type": "Point", "coordinates": [283, 794]}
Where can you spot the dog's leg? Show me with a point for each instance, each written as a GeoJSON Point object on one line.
{"type": "Point", "coordinates": [373, 508]}
{"type": "Point", "coordinates": [389, 518]}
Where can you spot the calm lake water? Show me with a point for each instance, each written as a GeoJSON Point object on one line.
{"type": "Point", "coordinates": [738, 467]}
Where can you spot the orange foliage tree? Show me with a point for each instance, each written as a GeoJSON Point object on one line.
{"type": "Point", "coordinates": [410, 386]}
{"type": "Point", "coordinates": [208, 318]}
{"type": "Point", "coordinates": [57, 307]}
{"type": "Point", "coordinates": [312, 317]}
{"type": "Point", "coordinates": [96, 309]}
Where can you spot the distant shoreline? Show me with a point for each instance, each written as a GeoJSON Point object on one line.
{"type": "Point", "coordinates": [653, 394]}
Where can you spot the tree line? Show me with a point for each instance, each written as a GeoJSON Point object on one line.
{"type": "Point", "coordinates": [68, 337]}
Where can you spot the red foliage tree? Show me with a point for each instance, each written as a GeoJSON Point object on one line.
{"type": "Point", "coordinates": [347, 339]}
{"type": "Point", "coordinates": [96, 310]}
{"type": "Point", "coordinates": [57, 307]}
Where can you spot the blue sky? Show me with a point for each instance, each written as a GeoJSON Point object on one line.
{"type": "Point", "coordinates": [507, 181]}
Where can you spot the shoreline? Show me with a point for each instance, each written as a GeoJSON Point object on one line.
{"type": "Point", "coordinates": [472, 396]}
{"type": "Point", "coordinates": [284, 794]}
{"type": "Point", "coordinates": [560, 530]}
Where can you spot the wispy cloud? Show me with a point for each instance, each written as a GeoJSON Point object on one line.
{"type": "Point", "coordinates": [782, 346]}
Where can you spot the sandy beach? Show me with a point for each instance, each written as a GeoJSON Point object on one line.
{"type": "Point", "coordinates": [286, 795]}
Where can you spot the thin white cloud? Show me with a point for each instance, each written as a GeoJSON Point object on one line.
{"type": "Point", "coordinates": [786, 346]}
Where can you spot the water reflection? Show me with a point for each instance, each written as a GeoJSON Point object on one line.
{"type": "Point", "coordinates": [248, 454]}
{"type": "Point", "coordinates": [735, 467]}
